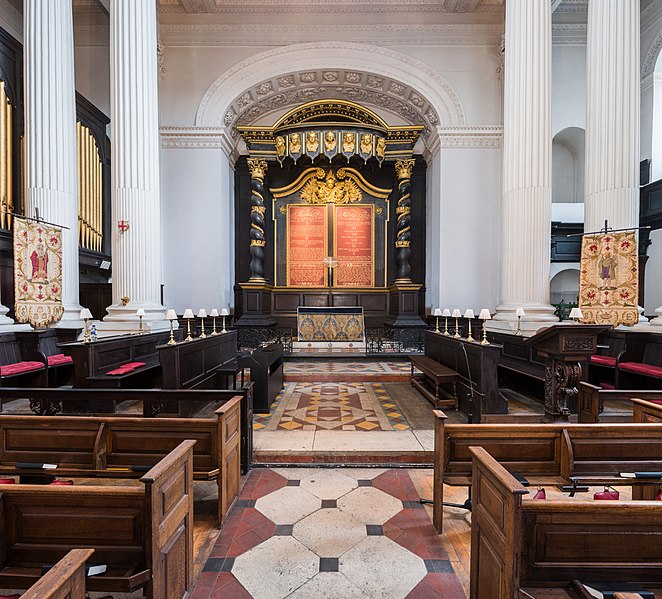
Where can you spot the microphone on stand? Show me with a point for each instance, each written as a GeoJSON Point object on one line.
{"type": "Point", "coordinates": [470, 413]}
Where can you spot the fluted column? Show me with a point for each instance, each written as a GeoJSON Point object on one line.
{"type": "Point", "coordinates": [258, 169]}
{"type": "Point", "coordinates": [403, 170]}
{"type": "Point", "coordinates": [527, 165]}
{"type": "Point", "coordinates": [137, 269]}
{"type": "Point", "coordinates": [51, 177]}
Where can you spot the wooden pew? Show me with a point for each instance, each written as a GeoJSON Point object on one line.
{"type": "Point", "coordinates": [42, 345]}
{"type": "Point", "coordinates": [438, 374]}
{"type": "Point", "coordinates": [592, 400]}
{"type": "Point", "coordinates": [65, 580]}
{"type": "Point", "coordinates": [520, 543]}
{"type": "Point", "coordinates": [18, 369]}
{"type": "Point", "coordinates": [646, 411]}
{"type": "Point", "coordinates": [548, 454]}
{"type": "Point", "coordinates": [93, 361]}
{"type": "Point", "coordinates": [109, 447]}
{"type": "Point", "coordinates": [143, 534]}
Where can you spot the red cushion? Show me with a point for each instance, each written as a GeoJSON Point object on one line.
{"type": "Point", "coordinates": [58, 359]}
{"type": "Point", "coordinates": [64, 483]}
{"type": "Point", "coordinates": [638, 368]}
{"type": "Point", "coordinates": [134, 365]}
{"type": "Point", "coordinates": [7, 481]}
{"type": "Point", "coordinates": [126, 368]}
{"type": "Point", "coordinates": [20, 368]}
{"type": "Point", "coordinates": [607, 386]}
{"type": "Point", "coordinates": [603, 360]}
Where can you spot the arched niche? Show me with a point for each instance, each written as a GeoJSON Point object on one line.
{"type": "Point", "coordinates": [564, 286]}
{"type": "Point", "coordinates": [568, 164]}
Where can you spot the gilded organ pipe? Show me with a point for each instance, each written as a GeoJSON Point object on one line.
{"type": "Point", "coordinates": [6, 195]}
{"type": "Point", "coordinates": [90, 190]}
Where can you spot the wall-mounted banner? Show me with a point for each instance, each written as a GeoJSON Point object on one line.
{"type": "Point", "coordinates": [609, 279]}
{"type": "Point", "coordinates": [37, 272]}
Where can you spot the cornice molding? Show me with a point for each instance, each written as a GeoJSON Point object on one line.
{"type": "Point", "coordinates": [471, 137]}
{"type": "Point", "coordinates": [200, 138]}
{"type": "Point", "coordinates": [218, 34]}
{"type": "Point", "coordinates": [569, 34]}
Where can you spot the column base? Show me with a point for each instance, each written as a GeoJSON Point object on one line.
{"type": "Point", "coordinates": [256, 305]}
{"type": "Point", "coordinates": [404, 305]}
{"type": "Point", "coordinates": [537, 316]}
{"type": "Point", "coordinates": [122, 320]}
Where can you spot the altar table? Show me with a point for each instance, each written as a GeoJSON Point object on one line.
{"type": "Point", "coordinates": [330, 324]}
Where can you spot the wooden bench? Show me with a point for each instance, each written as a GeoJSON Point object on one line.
{"type": "Point", "coordinates": [548, 454]}
{"type": "Point", "coordinates": [646, 411]}
{"type": "Point", "coordinates": [143, 534]}
{"type": "Point", "coordinates": [42, 345]}
{"type": "Point", "coordinates": [439, 375]}
{"type": "Point", "coordinates": [93, 361]}
{"type": "Point", "coordinates": [65, 580]}
{"type": "Point", "coordinates": [17, 369]}
{"type": "Point", "coordinates": [591, 400]}
{"type": "Point", "coordinates": [520, 543]}
{"type": "Point", "coordinates": [645, 372]}
{"type": "Point", "coordinates": [123, 447]}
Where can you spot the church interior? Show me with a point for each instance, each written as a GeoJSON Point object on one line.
{"type": "Point", "coordinates": [331, 299]}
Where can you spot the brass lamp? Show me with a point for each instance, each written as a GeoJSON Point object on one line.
{"type": "Point", "coordinates": [437, 313]}
{"type": "Point", "coordinates": [188, 314]}
{"type": "Point", "coordinates": [456, 315]}
{"type": "Point", "coordinates": [446, 314]}
{"type": "Point", "coordinates": [171, 315]}
{"type": "Point", "coordinates": [519, 313]}
{"type": "Point", "coordinates": [140, 313]}
{"type": "Point", "coordinates": [576, 314]}
{"type": "Point", "coordinates": [86, 315]}
{"type": "Point", "coordinates": [202, 314]}
{"type": "Point", "coordinates": [485, 316]}
{"type": "Point", "coordinates": [214, 316]}
{"type": "Point", "coordinates": [469, 315]}
{"type": "Point", "coordinates": [224, 313]}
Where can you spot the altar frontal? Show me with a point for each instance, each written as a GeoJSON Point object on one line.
{"type": "Point", "coordinates": [330, 324]}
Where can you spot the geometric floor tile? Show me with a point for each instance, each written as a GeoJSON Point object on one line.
{"type": "Point", "coordinates": [369, 505]}
{"type": "Point", "coordinates": [329, 533]}
{"type": "Point", "coordinates": [328, 585]}
{"type": "Point", "coordinates": [288, 505]}
{"type": "Point", "coordinates": [328, 484]}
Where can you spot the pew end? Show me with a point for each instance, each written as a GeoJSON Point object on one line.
{"type": "Point", "coordinates": [65, 580]}
{"type": "Point", "coordinates": [230, 425]}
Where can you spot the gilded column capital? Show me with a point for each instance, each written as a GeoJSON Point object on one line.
{"type": "Point", "coordinates": [403, 168]}
{"type": "Point", "coordinates": [258, 168]}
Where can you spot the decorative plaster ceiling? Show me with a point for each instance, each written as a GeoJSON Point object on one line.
{"type": "Point", "coordinates": [356, 86]}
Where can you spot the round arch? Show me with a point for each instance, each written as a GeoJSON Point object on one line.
{"type": "Point", "coordinates": [217, 100]}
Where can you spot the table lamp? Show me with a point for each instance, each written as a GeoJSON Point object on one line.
{"type": "Point", "coordinates": [576, 314]}
{"type": "Point", "coordinates": [214, 316]}
{"type": "Point", "coordinates": [519, 313]}
{"type": "Point", "coordinates": [485, 316]}
{"type": "Point", "coordinates": [140, 313]}
{"type": "Point", "coordinates": [202, 314]}
{"type": "Point", "coordinates": [469, 315]}
{"type": "Point", "coordinates": [188, 314]}
{"type": "Point", "coordinates": [457, 314]}
{"type": "Point", "coordinates": [224, 312]}
{"type": "Point", "coordinates": [446, 314]}
{"type": "Point", "coordinates": [437, 313]}
{"type": "Point", "coordinates": [171, 315]}
{"type": "Point", "coordinates": [86, 315]}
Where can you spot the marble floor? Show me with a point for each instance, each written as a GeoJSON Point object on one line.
{"type": "Point", "coordinates": [310, 533]}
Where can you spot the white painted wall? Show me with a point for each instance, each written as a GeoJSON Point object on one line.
{"type": "Point", "coordinates": [568, 87]}
{"type": "Point", "coordinates": [653, 290]}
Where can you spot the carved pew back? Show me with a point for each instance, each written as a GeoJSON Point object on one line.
{"type": "Point", "coordinates": [65, 580]}
{"type": "Point", "coordinates": [646, 411]}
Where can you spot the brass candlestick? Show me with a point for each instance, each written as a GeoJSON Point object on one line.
{"type": "Point", "coordinates": [172, 341]}
{"type": "Point", "coordinates": [86, 333]}
{"type": "Point", "coordinates": [140, 325]}
{"type": "Point", "coordinates": [213, 329]}
{"type": "Point", "coordinates": [203, 335]}
{"type": "Point", "coordinates": [469, 336]}
{"type": "Point", "coordinates": [188, 330]}
{"type": "Point", "coordinates": [446, 326]}
{"type": "Point", "coordinates": [436, 329]}
{"type": "Point", "coordinates": [485, 341]}
{"type": "Point", "coordinates": [519, 326]}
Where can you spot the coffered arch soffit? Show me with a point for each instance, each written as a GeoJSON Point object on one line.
{"type": "Point", "coordinates": [279, 79]}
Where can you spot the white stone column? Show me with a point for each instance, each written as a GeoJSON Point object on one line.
{"type": "Point", "coordinates": [51, 176]}
{"type": "Point", "coordinates": [137, 266]}
{"type": "Point", "coordinates": [527, 165]}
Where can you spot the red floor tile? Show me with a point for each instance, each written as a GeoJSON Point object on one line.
{"type": "Point", "coordinates": [228, 587]}
{"type": "Point", "coordinates": [398, 484]}
{"type": "Point", "coordinates": [266, 481]}
{"type": "Point", "coordinates": [446, 586]}
{"type": "Point", "coordinates": [411, 528]}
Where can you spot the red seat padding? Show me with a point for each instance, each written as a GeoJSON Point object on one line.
{"type": "Point", "coordinates": [20, 368]}
{"type": "Point", "coordinates": [603, 360]}
{"type": "Point", "coordinates": [607, 386]}
{"type": "Point", "coordinates": [59, 359]}
{"type": "Point", "coordinates": [134, 365]}
{"type": "Point", "coordinates": [64, 483]}
{"type": "Point", "coordinates": [7, 481]}
{"type": "Point", "coordinates": [126, 368]}
{"type": "Point", "coordinates": [639, 368]}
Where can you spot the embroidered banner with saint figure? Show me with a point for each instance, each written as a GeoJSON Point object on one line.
{"type": "Point", "coordinates": [609, 279]}
{"type": "Point", "coordinates": [37, 272]}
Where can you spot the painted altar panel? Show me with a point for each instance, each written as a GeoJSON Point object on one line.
{"type": "Point", "coordinates": [306, 245]}
{"type": "Point", "coordinates": [354, 246]}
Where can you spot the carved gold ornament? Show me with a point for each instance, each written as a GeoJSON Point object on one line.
{"type": "Point", "coordinates": [330, 141]}
{"type": "Point", "coordinates": [366, 143]}
{"type": "Point", "coordinates": [312, 141]}
{"type": "Point", "coordinates": [403, 168]}
{"type": "Point", "coordinates": [257, 168]}
{"type": "Point", "coordinates": [380, 150]}
{"type": "Point", "coordinates": [280, 146]}
{"type": "Point", "coordinates": [331, 191]}
{"type": "Point", "coordinates": [295, 143]}
{"type": "Point", "coordinates": [348, 142]}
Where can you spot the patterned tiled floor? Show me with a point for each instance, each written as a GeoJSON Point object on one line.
{"type": "Point", "coordinates": [328, 534]}
{"type": "Point", "coordinates": [333, 406]}
{"type": "Point", "coordinates": [347, 370]}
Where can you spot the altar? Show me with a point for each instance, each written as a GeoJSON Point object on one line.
{"type": "Point", "coordinates": [344, 325]}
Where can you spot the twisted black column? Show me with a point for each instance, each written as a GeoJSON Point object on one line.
{"type": "Point", "coordinates": [258, 169]}
{"type": "Point", "coordinates": [403, 170]}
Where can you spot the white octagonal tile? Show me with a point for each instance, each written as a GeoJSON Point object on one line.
{"type": "Point", "coordinates": [382, 569]}
{"type": "Point", "coordinates": [370, 505]}
{"type": "Point", "coordinates": [328, 585]}
{"type": "Point", "coordinates": [362, 473]}
{"type": "Point", "coordinates": [295, 473]}
{"type": "Point", "coordinates": [328, 484]}
{"type": "Point", "coordinates": [275, 568]}
{"type": "Point", "coordinates": [329, 532]}
{"type": "Point", "coordinates": [288, 505]}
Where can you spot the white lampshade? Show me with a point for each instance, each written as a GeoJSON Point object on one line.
{"type": "Point", "coordinates": [140, 312]}
{"type": "Point", "coordinates": [171, 315]}
{"type": "Point", "coordinates": [85, 314]}
{"type": "Point", "coordinates": [520, 312]}
{"type": "Point", "coordinates": [469, 313]}
{"type": "Point", "coordinates": [188, 313]}
{"type": "Point", "coordinates": [225, 312]}
{"type": "Point", "coordinates": [213, 313]}
{"type": "Point", "coordinates": [446, 313]}
{"type": "Point", "coordinates": [457, 313]}
{"type": "Point", "coordinates": [437, 312]}
{"type": "Point", "coordinates": [202, 313]}
{"type": "Point", "coordinates": [485, 314]}
{"type": "Point", "coordinates": [576, 313]}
